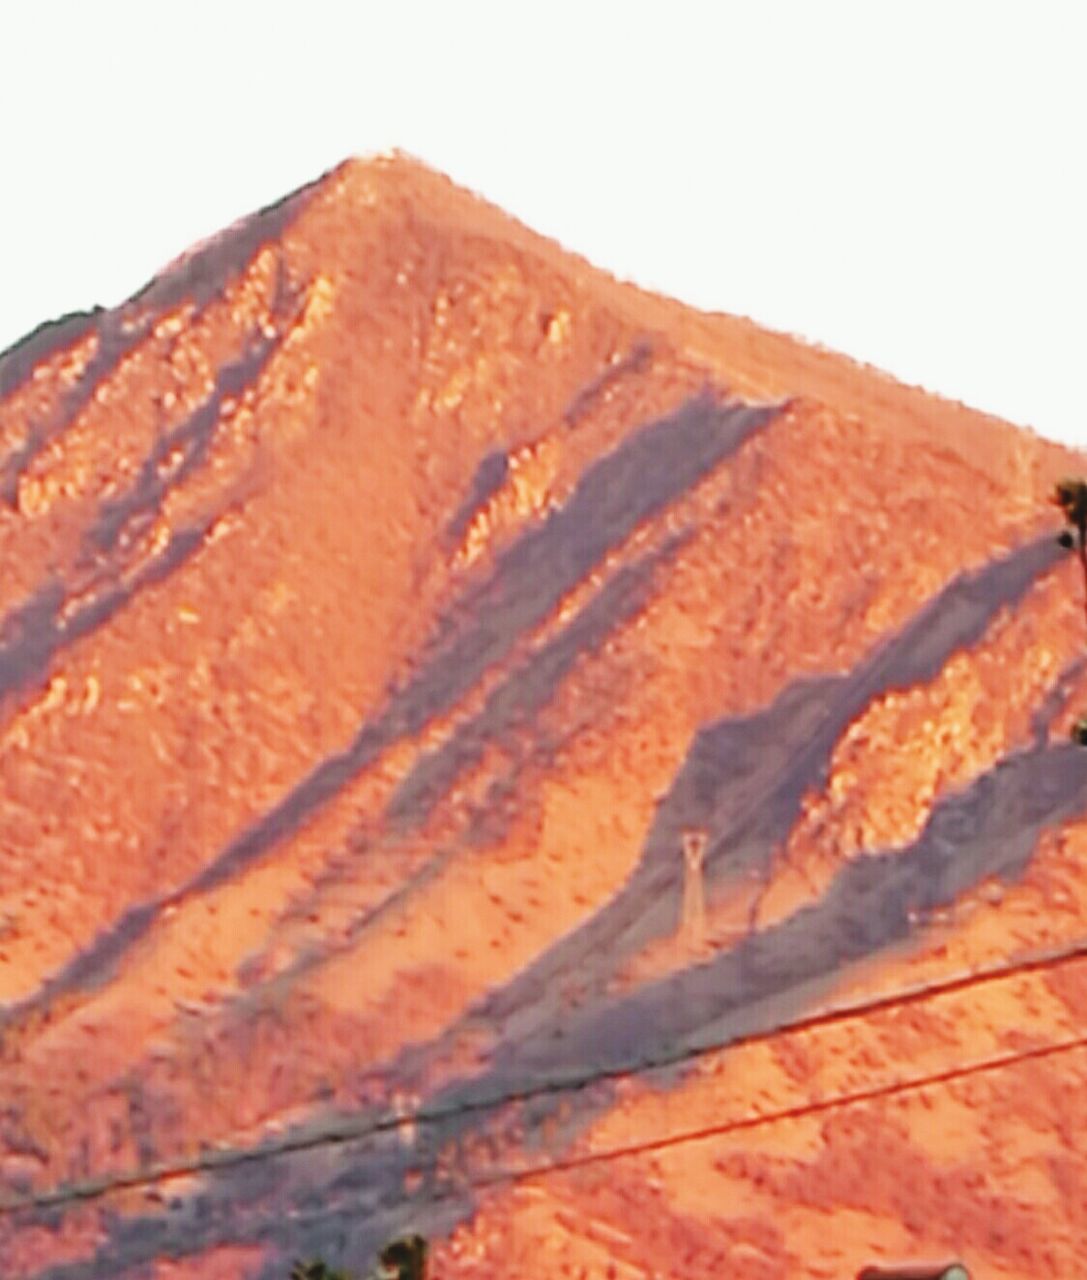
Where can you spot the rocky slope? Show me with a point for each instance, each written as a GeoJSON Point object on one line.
{"type": "Point", "coordinates": [489, 750]}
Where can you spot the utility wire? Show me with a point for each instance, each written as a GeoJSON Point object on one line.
{"type": "Point", "coordinates": [228, 1157]}
{"type": "Point", "coordinates": [349, 1129]}
{"type": "Point", "coordinates": [763, 1119]}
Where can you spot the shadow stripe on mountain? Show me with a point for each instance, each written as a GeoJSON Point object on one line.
{"type": "Point", "coordinates": [200, 277]}
{"type": "Point", "coordinates": [51, 620]}
{"type": "Point", "coordinates": [56, 614]}
{"type": "Point", "coordinates": [644, 474]}
{"type": "Point", "coordinates": [963, 608]}
{"type": "Point", "coordinates": [192, 438]}
{"type": "Point", "coordinates": [492, 472]}
{"type": "Point", "coordinates": [871, 904]}
{"type": "Point", "coordinates": [19, 361]}
{"type": "Point", "coordinates": [118, 337]}
{"type": "Point", "coordinates": [80, 971]}
{"type": "Point", "coordinates": [529, 688]}
{"type": "Point", "coordinates": [508, 710]}
{"type": "Point", "coordinates": [744, 778]}
{"type": "Point", "coordinates": [989, 829]}
{"type": "Point", "coordinates": [490, 475]}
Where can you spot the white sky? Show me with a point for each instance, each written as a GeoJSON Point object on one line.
{"type": "Point", "coordinates": [902, 180]}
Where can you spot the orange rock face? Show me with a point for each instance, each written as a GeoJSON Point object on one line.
{"type": "Point", "coordinates": [385, 594]}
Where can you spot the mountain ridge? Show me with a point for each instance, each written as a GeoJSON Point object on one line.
{"type": "Point", "coordinates": [388, 592]}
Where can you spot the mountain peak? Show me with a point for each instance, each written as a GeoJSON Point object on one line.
{"type": "Point", "coordinates": [434, 673]}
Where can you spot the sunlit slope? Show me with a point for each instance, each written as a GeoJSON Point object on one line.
{"type": "Point", "coordinates": [389, 598]}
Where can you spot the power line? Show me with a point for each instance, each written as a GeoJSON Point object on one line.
{"type": "Point", "coordinates": [229, 1157]}
{"type": "Point", "coordinates": [997, 1062]}
{"type": "Point", "coordinates": [346, 1131]}
{"type": "Point", "coordinates": [877, 1093]}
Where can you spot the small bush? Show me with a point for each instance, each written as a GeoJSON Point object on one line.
{"type": "Point", "coordinates": [317, 1270]}
{"type": "Point", "coordinates": [1071, 496]}
{"type": "Point", "coordinates": [401, 1259]}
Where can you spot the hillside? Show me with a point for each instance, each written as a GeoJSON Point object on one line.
{"type": "Point", "coordinates": [438, 678]}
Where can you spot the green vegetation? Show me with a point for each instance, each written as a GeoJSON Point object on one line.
{"type": "Point", "coordinates": [1071, 496]}
{"type": "Point", "coordinates": [401, 1259]}
{"type": "Point", "coordinates": [317, 1270]}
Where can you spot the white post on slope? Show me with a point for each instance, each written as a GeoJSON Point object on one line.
{"type": "Point", "coordinates": [693, 923]}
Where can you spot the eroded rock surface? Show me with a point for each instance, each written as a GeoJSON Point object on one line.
{"type": "Point", "coordinates": [386, 592]}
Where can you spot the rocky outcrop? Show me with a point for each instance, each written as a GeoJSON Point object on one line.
{"type": "Point", "coordinates": [387, 592]}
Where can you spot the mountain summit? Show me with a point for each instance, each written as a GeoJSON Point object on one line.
{"type": "Point", "coordinates": [488, 751]}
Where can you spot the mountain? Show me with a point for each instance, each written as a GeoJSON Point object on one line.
{"type": "Point", "coordinates": [489, 751]}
